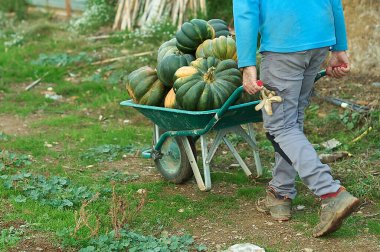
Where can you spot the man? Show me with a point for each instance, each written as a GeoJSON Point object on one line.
{"type": "Point", "coordinates": [296, 37]}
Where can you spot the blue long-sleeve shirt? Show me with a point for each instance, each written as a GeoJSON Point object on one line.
{"type": "Point", "coordinates": [287, 26]}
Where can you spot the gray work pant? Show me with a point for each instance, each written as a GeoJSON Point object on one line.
{"type": "Point", "coordinates": [292, 76]}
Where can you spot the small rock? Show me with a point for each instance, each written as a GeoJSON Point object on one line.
{"type": "Point", "coordinates": [307, 250]}
{"type": "Point", "coordinates": [224, 152]}
{"type": "Point", "coordinates": [141, 191]}
{"type": "Point", "coordinates": [234, 166]}
{"type": "Point", "coordinates": [39, 249]}
{"type": "Point", "coordinates": [48, 145]}
{"type": "Point", "coordinates": [126, 121]}
{"type": "Point", "coordinates": [376, 84]}
{"type": "Point", "coordinates": [300, 207]}
{"type": "Point", "coordinates": [269, 223]}
{"type": "Point", "coordinates": [181, 210]}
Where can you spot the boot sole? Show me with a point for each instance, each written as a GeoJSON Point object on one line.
{"type": "Point", "coordinates": [337, 221]}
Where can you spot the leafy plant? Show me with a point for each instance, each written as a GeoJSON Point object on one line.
{"type": "Point", "coordinates": [12, 160]}
{"type": "Point", "coordinates": [133, 242]}
{"type": "Point", "coordinates": [117, 176]}
{"type": "Point", "coordinates": [3, 137]}
{"type": "Point", "coordinates": [61, 59]}
{"type": "Point", "coordinates": [351, 119]}
{"type": "Point", "coordinates": [55, 191]}
{"type": "Point", "coordinates": [107, 152]}
{"type": "Point", "coordinates": [97, 14]}
{"type": "Point", "coordinates": [17, 6]}
{"type": "Point", "coordinates": [10, 236]}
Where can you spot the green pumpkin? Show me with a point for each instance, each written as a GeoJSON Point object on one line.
{"type": "Point", "coordinates": [169, 65]}
{"type": "Point", "coordinates": [192, 34]}
{"type": "Point", "coordinates": [206, 84]}
{"type": "Point", "coordinates": [145, 88]}
{"type": "Point", "coordinates": [221, 48]}
{"type": "Point", "coordinates": [167, 48]}
{"type": "Point", "coordinates": [220, 27]}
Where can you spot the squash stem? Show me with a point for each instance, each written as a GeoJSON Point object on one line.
{"type": "Point", "coordinates": [209, 76]}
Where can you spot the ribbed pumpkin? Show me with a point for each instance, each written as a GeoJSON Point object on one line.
{"type": "Point", "coordinates": [220, 27]}
{"type": "Point", "coordinates": [167, 48]}
{"type": "Point", "coordinates": [192, 34]}
{"type": "Point", "coordinates": [221, 48]}
{"type": "Point", "coordinates": [170, 101]}
{"type": "Point", "coordinates": [206, 83]}
{"type": "Point", "coordinates": [169, 65]}
{"type": "Point", "coordinates": [145, 88]}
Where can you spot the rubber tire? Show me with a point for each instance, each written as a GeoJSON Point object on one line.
{"type": "Point", "coordinates": [185, 172]}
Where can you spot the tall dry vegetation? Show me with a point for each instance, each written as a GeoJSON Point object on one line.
{"type": "Point", "coordinates": [363, 30]}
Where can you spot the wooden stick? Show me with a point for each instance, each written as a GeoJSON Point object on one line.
{"type": "Point", "coordinates": [118, 14]}
{"type": "Point", "coordinates": [33, 84]}
{"type": "Point", "coordinates": [68, 8]}
{"type": "Point", "coordinates": [101, 62]}
{"type": "Point", "coordinates": [124, 20]}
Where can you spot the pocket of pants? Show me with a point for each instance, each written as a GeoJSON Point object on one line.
{"type": "Point", "coordinates": [275, 121]}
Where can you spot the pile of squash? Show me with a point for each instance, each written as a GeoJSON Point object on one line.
{"type": "Point", "coordinates": [196, 70]}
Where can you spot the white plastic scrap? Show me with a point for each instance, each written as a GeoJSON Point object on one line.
{"type": "Point", "coordinates": [245, 247]}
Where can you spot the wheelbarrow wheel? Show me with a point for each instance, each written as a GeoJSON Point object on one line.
{"type": "Point", "coordinates": [174, 164]}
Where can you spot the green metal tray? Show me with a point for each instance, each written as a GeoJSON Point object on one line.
{"type": "Point", "coordinates": [176, 120]}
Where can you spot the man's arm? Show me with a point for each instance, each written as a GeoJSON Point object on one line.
{"type": "Point", "coordinates": [246, 20]}
{"type": "Point", "coordinates": [339, 64]}
{"type": "Point", "coordinates": [340, 27]}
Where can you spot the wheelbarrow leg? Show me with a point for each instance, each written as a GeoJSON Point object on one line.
{"type": "Point", "coordinates": [193, 163]}
{"type": "Point", "coordinates": [252, 135]}
{"type": "Point", "coordinates": [206, 163]}
{"type": "Point", "coordinates": [237, 156]}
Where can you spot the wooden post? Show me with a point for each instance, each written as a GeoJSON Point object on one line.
{"type": "Point", "coordinates": [68, 8]}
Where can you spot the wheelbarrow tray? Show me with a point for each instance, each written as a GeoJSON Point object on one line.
{"type": "Point", "coordinates": [176, 119]}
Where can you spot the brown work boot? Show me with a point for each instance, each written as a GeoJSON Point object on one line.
{"type": "Point", "coordinates": [334, 210]}
{"type": "Point", "coordinates": [277, 206]}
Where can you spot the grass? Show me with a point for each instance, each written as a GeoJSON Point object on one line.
{"type": "Point", "coordinates": [89, 118]}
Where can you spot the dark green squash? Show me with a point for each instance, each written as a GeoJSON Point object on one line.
{"type": "Point", "coordinates": [145, 88]}
{"type": "Point", "coordinates": [206, 84]}
{"type": "Point", "coordinates": [220, 27]}
{"type": "Point", "coordinates": [166, 49]}
{"type": "Point", "coordinates": [169, 65]}
{"type": "Point", "coordinates": [192, 34]}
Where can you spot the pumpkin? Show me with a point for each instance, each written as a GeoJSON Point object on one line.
{"type": "Point", "coordinates": [220, 27]}
{"type": "Point", "coordinates": [167, 48]}
{"type": "Point", "coordinates": [192, 34]}
{"type": "Point", "coordinates": [206, 83]}
{"type": "Point", "coordinates": [169, 65]}
{"type": "Point", "coordinates": [221, 48]}
{"type": "Point", "coordinates": [145, 88]}
{"type": "Point", "coordinates": [170, 101]}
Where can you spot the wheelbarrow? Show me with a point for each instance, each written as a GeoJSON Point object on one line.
{"type": "Point", "coordinates": [175, 132]}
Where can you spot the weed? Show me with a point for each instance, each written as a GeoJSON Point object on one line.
{"type": "Point", "coordinates": [10, 236]}
{"type": "Point", "coordinates": [117, 176]}
{"type": "Point", "coordinates": [82, 218]}
{"type": "Point", "coordinates": [351, 119]}
{"type": "Point", "coordinates": [61, 59]}
{"type": "Point", "coordinates": [3, 136]}
{"type": "Point", "coordinates": [55, 191]}
{"type": "Point", "coordinates": [106, 152]}
{"type": "Point", "coordinates": [10, 160]}
{"type": "Point", "coordinates": [123, 212]}
{"type": "Point", "coordinates": [133, 242]}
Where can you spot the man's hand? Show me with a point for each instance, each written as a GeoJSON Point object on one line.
{"type": "Point", "coordinates": [339, 65]}
{"type": "Point", "coordinates": [250, 80]}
